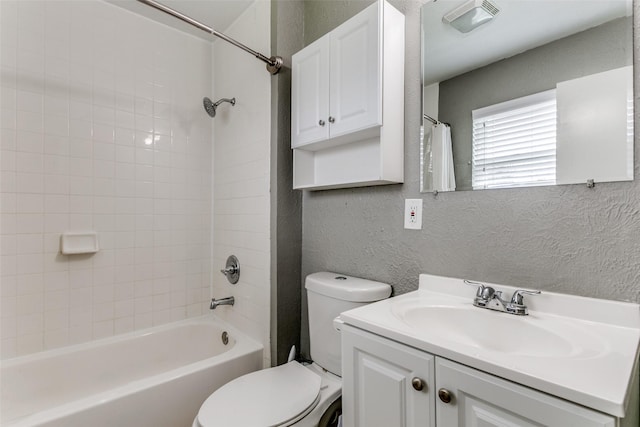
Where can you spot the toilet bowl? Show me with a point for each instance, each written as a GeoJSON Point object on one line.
{"type": "Point", "coordinates": [295, 394]}
{"type": "Point", "coordinates": [288, 395]}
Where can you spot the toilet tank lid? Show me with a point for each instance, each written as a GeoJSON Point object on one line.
{"type": "Point", "coordinates": [347, 288]}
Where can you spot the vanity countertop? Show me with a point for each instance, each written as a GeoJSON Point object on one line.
{"type": "Point", "coordinates": [581, 349]}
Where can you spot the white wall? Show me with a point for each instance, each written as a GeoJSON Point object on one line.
{"type": "Point", "coordinates": [241, 174]}
{"type": "Point", "coordinates": [84, 86]}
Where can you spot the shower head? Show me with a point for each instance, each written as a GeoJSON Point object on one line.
{"type": "Point", "coordinates": [210, 106]}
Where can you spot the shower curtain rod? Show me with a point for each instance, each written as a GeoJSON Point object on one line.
{"type": "Point", "coordinates": [273, 63]}
{"type": "Point", "coordinates": [434, 121]}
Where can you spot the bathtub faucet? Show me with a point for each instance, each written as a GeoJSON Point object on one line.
{"type": "Point", "coordinates": [221, 301]}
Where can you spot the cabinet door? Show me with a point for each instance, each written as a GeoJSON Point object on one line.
{"type": "Point", "coordinates": [479, 399]}
{"type": "Point", "coordinates": [356, 73]}
{"type": "Point", "coordinates": [310, 94]}
{"type": "Point", "coordinates": [377, 377]}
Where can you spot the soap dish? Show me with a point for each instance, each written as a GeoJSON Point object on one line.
{"type": "Point", "coordinates": [79, 243]}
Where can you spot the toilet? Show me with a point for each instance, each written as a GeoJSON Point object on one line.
{"type": "Point", "coordinates": [296, 394]}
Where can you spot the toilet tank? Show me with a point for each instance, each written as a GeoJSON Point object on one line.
{"type": "Point", "coordinates": [328, 295]}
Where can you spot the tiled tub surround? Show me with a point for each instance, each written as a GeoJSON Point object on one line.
{"type": "Point", "coordinates": [102, 130]}
{"type": "Point", "coordinates": [170, 368]}
{"type": "Point", "coordinates": [241, 174]}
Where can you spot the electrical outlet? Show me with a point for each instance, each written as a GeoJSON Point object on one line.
{"type": "Point", "coordinates": [413, 214]}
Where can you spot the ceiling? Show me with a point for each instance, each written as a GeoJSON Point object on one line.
{"type": "Point", "coordinates": [217, 14]}
{"type": "Point", "coordinates": [519, 26]}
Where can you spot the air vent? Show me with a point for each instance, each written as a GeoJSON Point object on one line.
{"type": "Point", "coordinates": [490, 7]}
{"type": "Point", "coordinates": [471, 15]}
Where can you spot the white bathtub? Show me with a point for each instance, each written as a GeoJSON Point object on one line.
{"type": "Point", "coordinates": [155, 377]}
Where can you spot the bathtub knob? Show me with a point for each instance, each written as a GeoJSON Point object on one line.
{"type": "Point", "coordinates": [232, 270]}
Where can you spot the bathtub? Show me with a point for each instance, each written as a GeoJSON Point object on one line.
{"type": "Point", "coordinates": [155, 377]}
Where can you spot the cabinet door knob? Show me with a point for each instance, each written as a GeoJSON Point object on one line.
{"type": "Point", "coordinates": [331, 119]}
{"type": "Point", "coordinates": [321, 122]}
{"type": "Point", "coordinates": [417, 383]}
{"type": "Point", "coordinates": [445, 395]}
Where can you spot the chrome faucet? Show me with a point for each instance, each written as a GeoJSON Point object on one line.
{"type": "Point", "coordinates": [221, 301]}
{"type": "Point", "coordinates": [487, 297]}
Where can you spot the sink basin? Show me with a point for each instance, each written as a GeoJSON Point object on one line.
{"type": "Point", "coordinates": [495, 331]}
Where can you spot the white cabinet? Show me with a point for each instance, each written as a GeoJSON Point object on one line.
{"type": "Point", "coordinates": [377, 392]}
{"type": "Point", "coordinates": [310, 94]}
{"type": "Point", "coordinates": [386, 384]}
{"type": "Point", "coordinates": [479, 399]}
{"type": "Point", "coordinates": [347, 118]}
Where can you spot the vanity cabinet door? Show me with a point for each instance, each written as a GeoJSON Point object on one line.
{"type": "Point", "coordinates": [479, 399]}
{"type": "Point", "coordinates": [385, 384]}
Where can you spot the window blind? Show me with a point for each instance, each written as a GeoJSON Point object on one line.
{"type": "Point", "coordinates": [514, 143]}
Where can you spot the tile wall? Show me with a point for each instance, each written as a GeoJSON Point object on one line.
{"type": "Point", "coordinates": [241, 174]}
{"type": "Point", "coordinates": [102, 129]}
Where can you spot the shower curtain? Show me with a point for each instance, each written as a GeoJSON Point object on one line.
{"type": "Point", "coordinates": [439, 156]}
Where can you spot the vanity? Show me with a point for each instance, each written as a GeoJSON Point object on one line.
{"type": "Point", "coordinates": [432, 358]}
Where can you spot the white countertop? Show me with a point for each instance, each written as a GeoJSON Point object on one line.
{"type": "Point", "coordinates": [594, 367]}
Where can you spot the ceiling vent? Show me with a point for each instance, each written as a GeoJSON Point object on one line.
{"type": "Point", "coordinates": [471, 14]}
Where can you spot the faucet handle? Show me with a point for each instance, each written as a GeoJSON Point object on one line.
{"type": "Point", "coordinates": [517, 295]}
{"type": "Point", "coordinates": [481, 287]}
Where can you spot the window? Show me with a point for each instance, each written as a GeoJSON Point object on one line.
{"type": "Point", "coordinates": [514, 143]}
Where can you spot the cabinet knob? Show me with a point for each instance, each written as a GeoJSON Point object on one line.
{"type": "Point", "coordinates": [331, 119]}
{"type": "Point", "coordinates": [445, 395]}
{"type": "Point", "coordinates": [417, 383]}
{"type": "Point", "coordinates": [321, 122]}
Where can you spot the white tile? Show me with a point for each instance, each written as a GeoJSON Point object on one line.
{"type": "Point", "coordinates": [123, 325]}
{"type": "Point", "coordinates": [56, 165]}
{"type": "Point", "coordinates": [29, 121]}
{"type": "Point", "coordinates": [29, 101]}
{"type": "Point", "coordinates": [57, 125]}
{"type": "Point", "coordinates": [102, 329]}
{"type": "Point", "coordinates": [56, 223]}
{"type": "Point", "coordinates": [30, 203]}
{"type": "Point", "coordinates": [29, 183]}
{"type": "Point", "coordinates": [29, 263]}
{"type": "Point", "coordinates": [29, 284]}
{"type": "Point", "coordinates": [29, 244]}
{"type": "Point", "coordinates": [56, 203]}
{"type": "Point", "coordinates": [57, 314]}
{"type": "Point", "coordinates": [80, 333]}
{"type": "Point", "coordinates": [29, 141]}
{"type": "Point", "coordinates": [56, 338]}
{"type": "Point", "coordinates": [28, 343]}
{"type": "Point", "coordinates": [28, 223]}
{"type": "Point", "coordinates": [30, 323]}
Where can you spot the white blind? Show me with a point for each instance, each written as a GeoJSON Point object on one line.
{"type": "Point", "coordinates": [514, 143]}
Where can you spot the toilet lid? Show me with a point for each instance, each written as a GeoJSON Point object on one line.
{"type": "Point", "coordinates": [269, 397]}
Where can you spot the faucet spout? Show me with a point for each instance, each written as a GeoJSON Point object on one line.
{"type": "Point", "coordinates": [488, 297]}
{"type": "Point", "coordinates": [221, 301]}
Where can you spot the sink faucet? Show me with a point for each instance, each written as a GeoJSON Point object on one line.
{"type": "Point", "coordinates": [487, 297]}
{"type": "Point", "coordinates": [221, 301]}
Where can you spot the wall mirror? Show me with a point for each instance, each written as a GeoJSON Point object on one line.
{"type": "Point", "coordinates": [520, 93]}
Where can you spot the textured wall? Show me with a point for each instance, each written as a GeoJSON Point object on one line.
{"type": "Point", "coordinates": [286, 204]}
{"type": "Point", "coordinates": [566, 239]}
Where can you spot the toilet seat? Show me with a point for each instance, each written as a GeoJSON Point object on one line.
{"type": "Point", "coordinates": [277, 396]}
